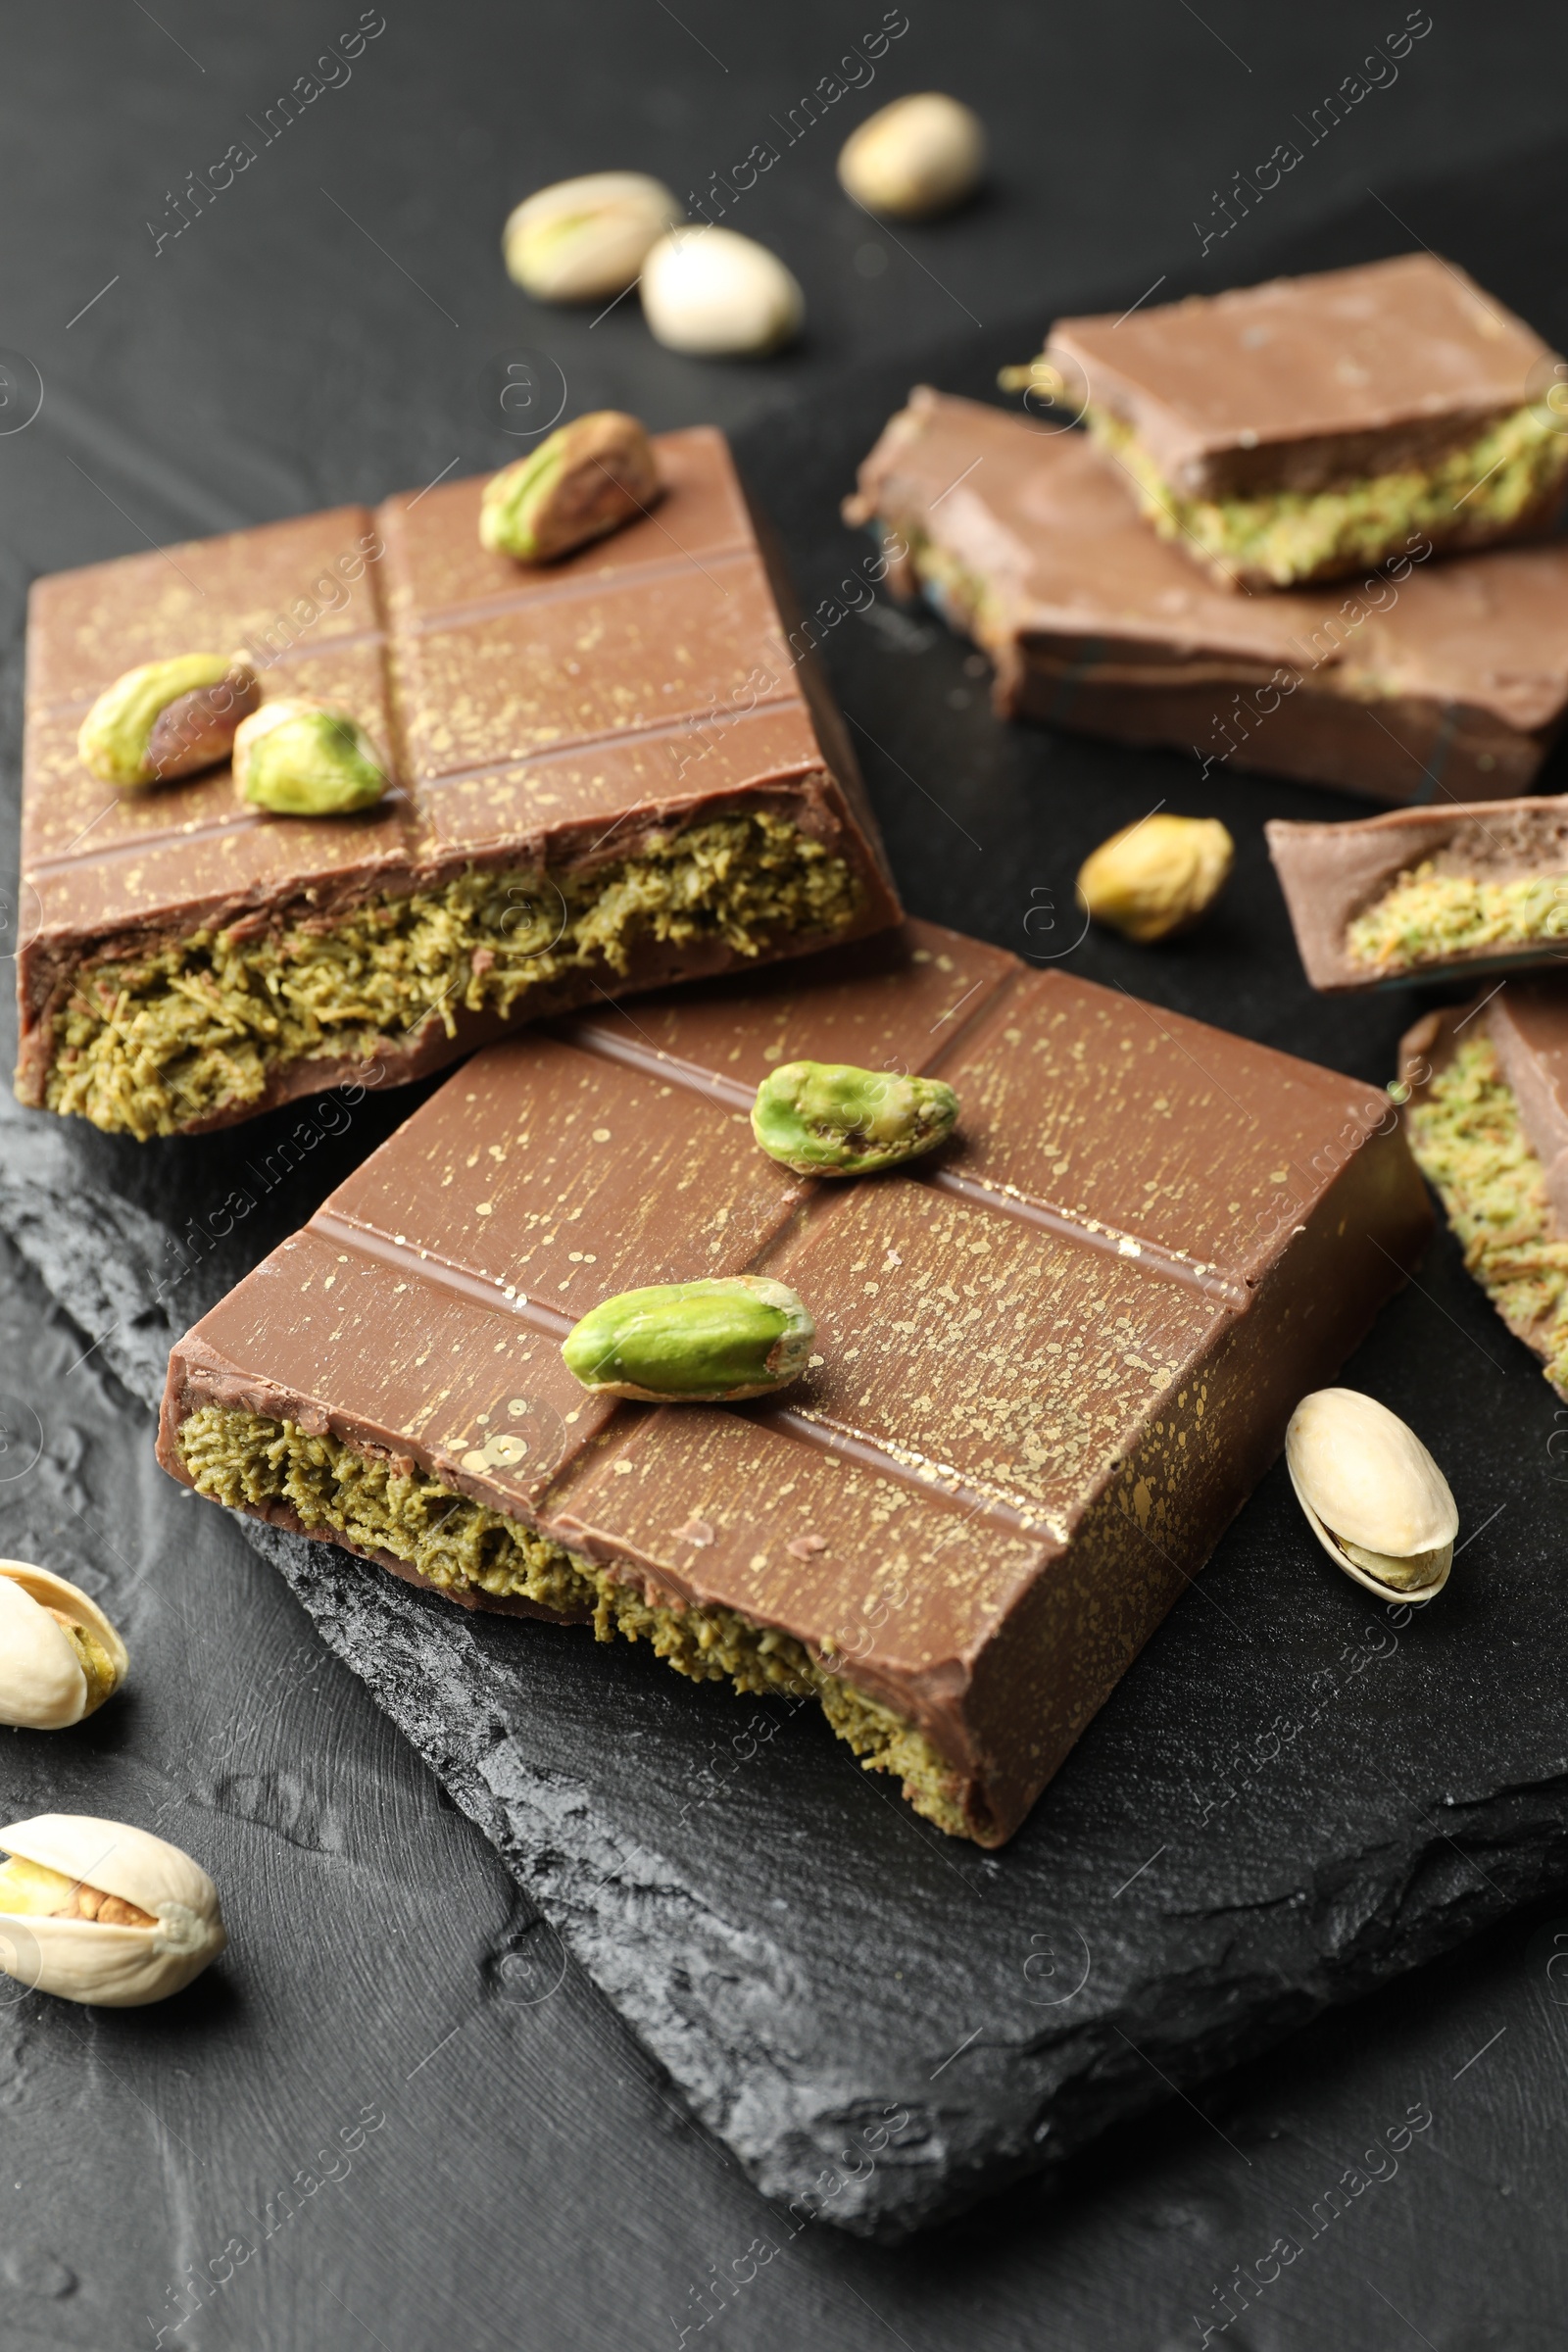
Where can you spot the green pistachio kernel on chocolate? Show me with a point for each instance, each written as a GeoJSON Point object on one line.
{"type": "Point", "coordinates": [301, 760]}
{"type": "Point", "coordinates": [693, 1343]}
{"type": "Point", "coordinates": [115, 739]}
{"type": "Point", "coordinates": [589, 477]}
{"type": "Point", "coordinates": [828, 1118]}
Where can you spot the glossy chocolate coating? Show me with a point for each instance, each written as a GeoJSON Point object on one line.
{"type": "Point", "coordinates": [1055, 1355]}
{"type": "Point", "coordinates": [1451, 679]}
{"type": "Point", "coordinates": [1306, 384]}
{"type": "Point", "coordinates": [554, 715]}
{"type": "Point", "coordinates": [1332, 873]}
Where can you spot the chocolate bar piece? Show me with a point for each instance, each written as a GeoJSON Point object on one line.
{"type": "Point", "coordinates": [1395, 899]}
{"type": "Point", "coordinates": [1487, 1085]}
{"type": "Point", "coordinates": [1308, 429]}
{"type": "Point", "coordinates": [1054, 1356]}
{"type": "Point", "coordinates": [1432, 677]}
{"type": "Point", "coordinates": [611, 772]}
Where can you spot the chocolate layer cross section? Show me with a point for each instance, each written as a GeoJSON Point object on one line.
{"type": "Point", "coordinates": [608, 773]}
{"type": "Point", "coordinates": [1053, 1358]}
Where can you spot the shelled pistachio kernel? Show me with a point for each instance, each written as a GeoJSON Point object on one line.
{"type": "Point", "coordinates": [1373, 1496]}
{"type": "Point", "coordinates": [582, 239]}
{"type": "Point", "coordinates": [97, 1911]}
{"type": "Point", "coordinates": [693, 1343]}
{"type": "Point", "coordinates": [60, 1658]}
{"type": "Point", "coordinates": [300, 759]}
{"type": "Point", "coordinates": [589, 477]}
{"type": "Point", "coordinates": [717, 295]}
{"type": "Point", "coordinates": [919, 156]}
{"type": "Point", "coordinates": [167, 718]}
{"type": "Point", "coordinates": [829, 1118]}
{"type": "Point", "coordinates": [1157, 877]}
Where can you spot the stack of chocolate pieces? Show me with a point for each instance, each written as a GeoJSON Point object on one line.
{"type": "Point", "coordinates": [1161, 577]}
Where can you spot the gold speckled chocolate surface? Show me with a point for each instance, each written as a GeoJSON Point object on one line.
{"type": "Point", "coordinates": [1053, 1358]}
{"type": "Point", "coordinates": [527, 713]}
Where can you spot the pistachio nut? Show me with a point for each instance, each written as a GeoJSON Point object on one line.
{"type": "Point", "coordinates": [60, 1658]}
{"type": "Point", "coordinates": [828, 1118]}
{"type": "Point", "coordinates": [1373, 1496]}
{"type": "Point", "coordinates": [918, 156]}
{"type": "Point", "coordinates": [96, 1911]}
{"type": "Point", "coordinates": [693, 1343]}
{"type": "Point", "coordinates": [711, 292]}
{"type": "Point", "coordinates": [300, 759]}
{"type": "Point", "coordinates": [1157, 877]}
{"type": "Point", "coordinates": [168, 718]}
{"type": "Point", "coordinates": [589, 477]}
{"type": "Point", "coordinates": [583, 239]}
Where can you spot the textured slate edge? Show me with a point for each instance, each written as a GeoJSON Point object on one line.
{"type": "Point", "coordinates": [1021, 2104]}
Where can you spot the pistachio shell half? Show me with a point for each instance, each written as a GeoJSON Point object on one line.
{"type": "Point", "coordinates": [60, 1658]}
{"type": "Point", "coordinates": [96, 1911]}
{"type": "Point", "coordinates": [693, 1343]}
{"type": "Point", "coordinates": [1373, 1496]}
{"type": "Point", "coordinates": [719, 295]}
{"type": "Point", "coordinates": [919, 156]}
{"type": "Point", "coordinates": [582, 239]}
{"type": "Point", "coordinates": [1157, 877]}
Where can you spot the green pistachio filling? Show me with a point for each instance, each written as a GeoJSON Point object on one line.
{"type": "Point", "coordinates": [1427, 917]}
{"type": "Point", "coordinates": [1470, 1145]}
{"type": "Point", "coordinates": [247, 1461]}
{"type": "Point", "coordinates": [1475, 493]}
{"type": "Point", "coordinates": [153, 1044]}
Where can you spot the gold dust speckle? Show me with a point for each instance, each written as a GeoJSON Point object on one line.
{"type": "Point", "coordinates": [623, 1469]}
{"type": "Point", "coordinates": [600, 1135]}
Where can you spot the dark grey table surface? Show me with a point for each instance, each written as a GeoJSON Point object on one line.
{"type": "Point", "coordinates": [398, 2119]}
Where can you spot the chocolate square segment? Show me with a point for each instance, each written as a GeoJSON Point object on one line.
{"type": "Point", "coordinates": [1436, 680]}
{"type": "Point", "coordinates": [607, 773]}
{"type": "Point", "coordinates": [1053, 1358]}
{"type": "Point", "coordinates": [1305, 429]}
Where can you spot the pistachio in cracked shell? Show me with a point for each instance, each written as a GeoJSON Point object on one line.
{"type": "Point", "coordinates": [829, 1118]}
{"type": "Point", "coordinates": [96, 1911]}
{"type": "Point", "coordinates": [583, 239]}
{"type": "Point", "coordinates": [920, 155]}
{"type": "Point", "coordinates": [1158, 877]}
{"type": "Point", "coordinates": [710, 1341]}
{"type": "Point", "coordinates": [717, 295]}
{"type": "Point", "coordinates": [1373, 1496]}
{"type": "Point", "coordinates": [300, 759]}
{"type": "Point", "coordinates": [60, 1658]}
{"type": "Point", "coordinates": [588, 478]}
{"type": "Point", "coordinates": [168, 718]}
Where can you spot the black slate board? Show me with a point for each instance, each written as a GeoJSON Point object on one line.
{"type": "Point", "coordinates": [1295, 1793]}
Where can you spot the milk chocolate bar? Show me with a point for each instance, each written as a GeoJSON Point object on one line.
{"type": "Point", "coordinates": [1054, 1356]}
{"type": "Point", "coordinates": [611, 772]}
{"type": "Point", "coordinates": [1486, 1084]}
{"type": "Point", "coordinates": [1308, 429]}
{"type": "Point", "coordinates": [1392, 900]}
{"type": "Point", "coordinates": [1431, 679]}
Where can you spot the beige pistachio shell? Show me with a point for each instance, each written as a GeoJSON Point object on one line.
{"type": "Point", "coordinates": [82, 1959]}
{"type": "Point", "coordinates": [1373, 1496]}
{"type": "Point", "coordinates": [60, 1658]}
{"type": "Point", "coordinates": [582, 239]}
{"type": "Point", "coordinates": [719, 295]}
{"type": "Point", "coordinates": [919, 156]}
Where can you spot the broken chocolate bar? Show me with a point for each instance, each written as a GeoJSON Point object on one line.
{"type": "Point", "coordinates": [1486, 1084]}
{"type": "Point", "coordinates": [1053, 1356]}
{"type": "Point", "coordinates": [610, 773]}
{"type": "Point", "coordinates": [1429, 678]}
{"type": "Point", "coordinates": [1311, 427]}
{"type": "Point", "coordinates": [1395, 899]}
